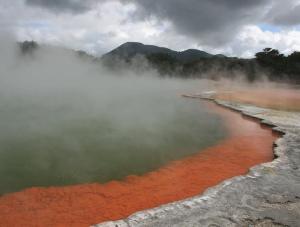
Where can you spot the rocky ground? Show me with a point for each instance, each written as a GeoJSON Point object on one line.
{"type": "Point", "coordinates": [269, 195]}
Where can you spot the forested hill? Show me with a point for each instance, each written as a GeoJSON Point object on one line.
{"type": "Point", "coordinates": [269, 63]}
{"type": "Point", "coordinates": [132, 49]}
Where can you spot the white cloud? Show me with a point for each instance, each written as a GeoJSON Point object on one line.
{"type": "Point", "coordinates": [98, 30]}
{"type": "Point", "coordinates": [110, 24]}
{"type": "Point", "coordinates": [253, 39]}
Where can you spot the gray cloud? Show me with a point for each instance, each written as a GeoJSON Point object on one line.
{"type": "Point", "coordinates": [207, 22]}
{"type": "Point", "coordinates": [72, 6]}
{"type": "Point", "coordinates": [286, 13]}
{"type": "Point", "coordinates": [211, 22]}
{"type": "Point", "coordinates": [217, 26]}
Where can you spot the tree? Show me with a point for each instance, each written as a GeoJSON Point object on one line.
{"type": "Point", "coordinates": [279, 65]}
{"type": "Point", "coordinates": [295, 56]}
{"type": "Point", "coordinates": [28, 47]}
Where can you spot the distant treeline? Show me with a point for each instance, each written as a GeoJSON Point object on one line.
{"type": "Point", "coordinates": [269, 63]}
{"type": "Point", "coordinates": [213, 68]}
{"type": "Point", "coordinates": [279, 65]}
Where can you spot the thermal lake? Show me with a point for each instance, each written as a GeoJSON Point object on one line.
{"type": "Point", "coordinates": [66, 132]}
{"type": "Point", "coordinates": [81, 144]}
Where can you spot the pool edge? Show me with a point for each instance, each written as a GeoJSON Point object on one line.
{"type": "Point", "coordinates": [268, 194]}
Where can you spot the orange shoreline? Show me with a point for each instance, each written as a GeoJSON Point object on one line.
{"type": "Point", "coordinates": [249, 143]}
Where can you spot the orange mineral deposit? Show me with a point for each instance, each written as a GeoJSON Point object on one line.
{"type": "Point", "coordinates": [247, 144]}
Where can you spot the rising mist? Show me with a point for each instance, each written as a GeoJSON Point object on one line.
{"type": "Point", "coordinates": [66, 119]}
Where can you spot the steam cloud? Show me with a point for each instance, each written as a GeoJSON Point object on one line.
{"type": "Point", "coordinates": [67, 120]}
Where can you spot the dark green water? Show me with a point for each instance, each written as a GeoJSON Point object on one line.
{"type": "Point", "coordinates": [97, 132]}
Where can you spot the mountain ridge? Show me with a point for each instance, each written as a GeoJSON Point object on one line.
{"type": "Point", "coordinates": [129, 50]}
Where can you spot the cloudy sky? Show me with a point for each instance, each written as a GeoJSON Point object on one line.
{"type": "Point", "coordinates": [232, 27]}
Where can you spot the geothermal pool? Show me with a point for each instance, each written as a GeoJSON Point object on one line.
{"type": "Point", "coordinates": [80, 145]}
{"type": "Point", "coordinates": [247, 144]}
{"type": "Point", "coordinates": [66, 138]}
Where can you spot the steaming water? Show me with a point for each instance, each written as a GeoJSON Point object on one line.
{"type": "Point", "coordinates": [66, 122]}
